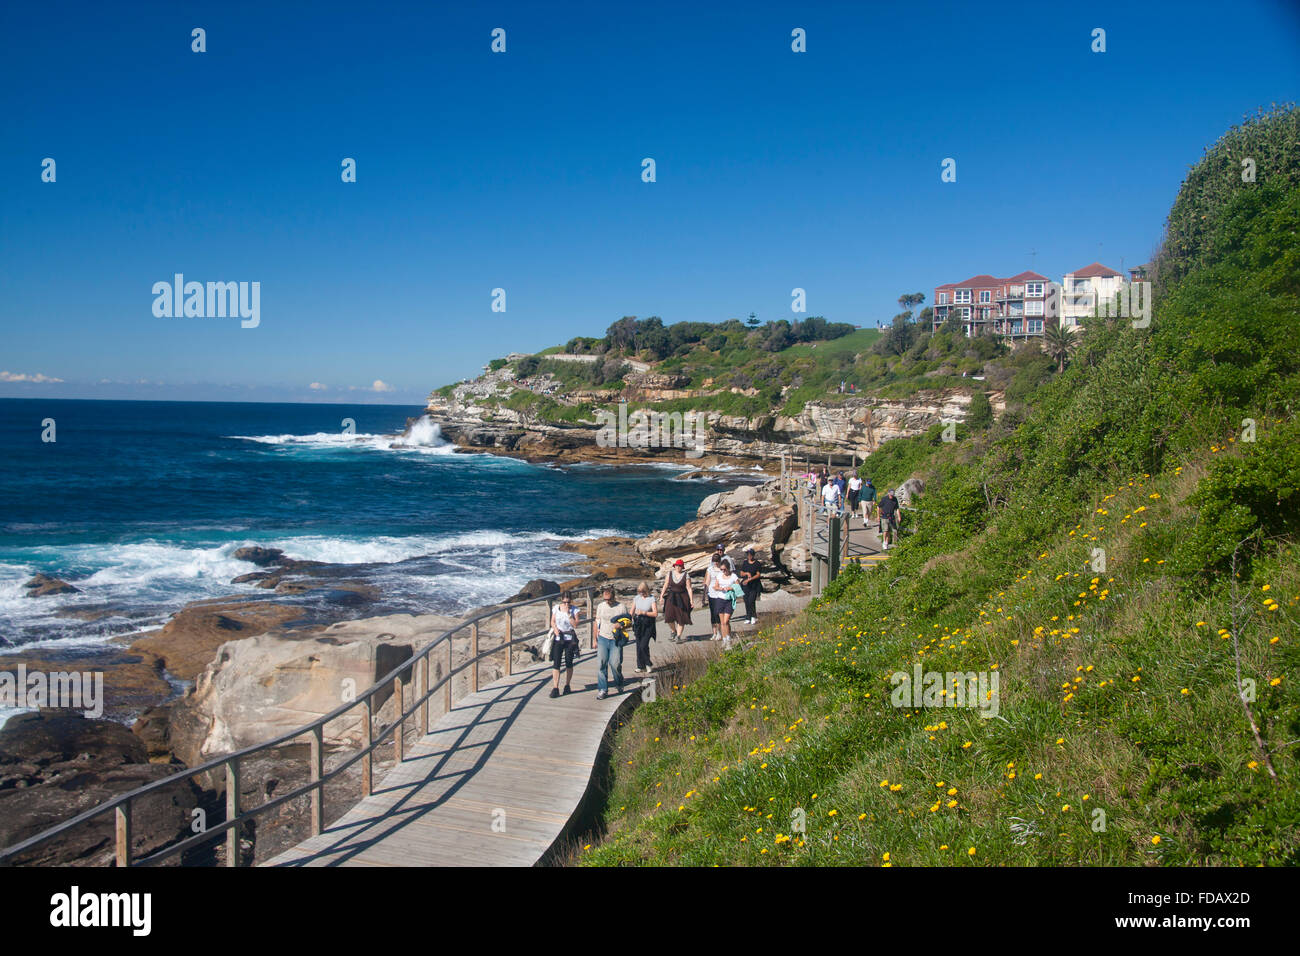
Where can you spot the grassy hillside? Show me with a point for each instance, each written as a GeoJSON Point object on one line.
{"type": "Point", "coordinates": [1120, 553]}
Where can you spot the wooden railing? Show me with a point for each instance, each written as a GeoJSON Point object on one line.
{"type": "Point", "coordinates": [416, 668]}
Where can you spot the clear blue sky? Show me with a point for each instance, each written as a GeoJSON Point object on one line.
{"type": "Point", "coordinates": [523, 170]}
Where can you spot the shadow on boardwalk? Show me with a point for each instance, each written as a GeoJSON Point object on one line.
{"type": "Point", "coordinates": [501, 780]}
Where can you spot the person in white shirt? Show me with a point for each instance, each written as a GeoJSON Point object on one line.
{"type": "Point", "coordinates": [855, 489]}
{"type": "Point", "coordinates": [609, 644]}
{"type": "Point", "coordinates": [564, 642]}
{"type": "Point", "coordinates": [644, 616]}
{"type": "Point", "coordinates": [831, 497]}
{"type": "Point", "coordinates": [723, 600]}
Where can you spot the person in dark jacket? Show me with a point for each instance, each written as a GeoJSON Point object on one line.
{"type": "Point", "coordinates": [644, 616]}
{"type": "Point", "coordinates": [890, 512]}
{"type": "Point", "coordinates": [752, 583]}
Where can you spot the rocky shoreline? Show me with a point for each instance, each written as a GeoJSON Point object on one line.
{"type": "Point", "coordinates": [227, 673]}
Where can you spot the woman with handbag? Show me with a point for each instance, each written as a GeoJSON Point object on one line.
{"type": "Point", "coordinates": [563, 641]}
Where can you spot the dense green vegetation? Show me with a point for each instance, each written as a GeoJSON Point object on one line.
{"type": "Point", "coordinates": [1119, 549]}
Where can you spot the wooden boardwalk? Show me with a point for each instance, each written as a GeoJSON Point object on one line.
{"type": "Point", "coordinates": [497, 782]}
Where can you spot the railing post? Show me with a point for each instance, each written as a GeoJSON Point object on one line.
{"type": "Point", "coordinates": [317, 771]}
{"type": "Point", "coordinates": [123, 848]}
{"type": "Point", "coordinates": [399, 732]}
{"type": "Point", "coordinates": [422, 688]}
{"type": "Point", "coordinates": [232, 812]}
{"type": "Point", "coordinates": [473, 658]}
{"type": "Point", "coordinates": [367, 755]}
{"type": "Point", "coordinates": [446, 687]}
{"type": "Point", "coordinates": [510, 636]}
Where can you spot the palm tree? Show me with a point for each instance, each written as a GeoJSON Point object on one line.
{"type": "Point", "coordinates": [1057, 343]}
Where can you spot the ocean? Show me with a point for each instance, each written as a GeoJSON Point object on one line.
{"type": "Point", "coordinates": [141, 506]}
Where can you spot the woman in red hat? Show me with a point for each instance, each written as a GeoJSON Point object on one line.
{"type": "Point", "coordinates": [678, 600]}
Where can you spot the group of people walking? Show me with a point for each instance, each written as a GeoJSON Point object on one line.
{"type": "Point", "coordinates": [725, 583]}
{"type": "Point", "coordinates": [846, 496]}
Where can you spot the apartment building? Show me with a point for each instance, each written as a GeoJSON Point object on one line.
{"type": "Point", "coordinates": [1083, 289]}
{"type": "Point", "coordinates": [1013, 308]}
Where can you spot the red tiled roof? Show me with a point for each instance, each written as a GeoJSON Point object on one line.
{"type": "Point", "coordinates": [981, 281]}
{"type": "Point", "coordinates": [946, 285]}
{"type": "Point", "coordinates": [1094, 271]}
{"type": "Point", "coordinates": [1030, 276]}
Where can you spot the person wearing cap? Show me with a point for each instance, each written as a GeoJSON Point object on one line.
{"type": "Point", "coordinates": [609, 644]}
{"type": "Point", "coordinates": [752, 583]}
{"type": "Point", "coordinates": [890, 511]}
{"type": "Point", "coordinates": [678, 600]}
{"type": "Point", "coordinates": [868, 499]}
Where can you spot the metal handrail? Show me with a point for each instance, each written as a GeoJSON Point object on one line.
{"type": "Point", "coordinates": [229, 763]}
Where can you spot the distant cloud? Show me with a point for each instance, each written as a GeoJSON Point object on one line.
{"type": "Point", "coordinates": [317, 387]}
{"type": "Point", "coordinates": [38, 377]}
{"type": "Point", "coordinates": [382, 386]}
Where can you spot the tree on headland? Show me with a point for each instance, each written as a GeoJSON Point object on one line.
{"type": "Point", "coordinates": [909, 301]}
{"type": "Point", "coordinates": [622, 334]}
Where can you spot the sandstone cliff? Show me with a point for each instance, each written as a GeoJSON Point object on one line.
{"type": "Point", "coordinates": [842, 427]}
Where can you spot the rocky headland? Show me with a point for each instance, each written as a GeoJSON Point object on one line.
{"type": "Point", "coordinates": [475, 415]}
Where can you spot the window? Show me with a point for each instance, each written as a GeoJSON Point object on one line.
{"type": "Point", "coordinates": [1033, 290]}
{"type": "Point", "coordinates": [1035, 326]}
{"type": "Point", "coordinates": [943, 299]}
{"type": "Point", "coordinates": [965, 312]}
{"type": "Point", "coordinates": [1033, 308]}
{"type": "Point", "coordinates": [984, 314]}
{"type": "Point", "coordinates": [1016, 328]}
{"type": "Point", "coordinates": [986, 295]}
{"type": "Point", "coordinates": [962, 295]}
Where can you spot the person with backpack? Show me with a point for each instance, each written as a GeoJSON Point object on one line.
{"type": "Point", "coordinates": [611, 636]}
{"type": "Point", "coordinates": [890, 511]}
{"type": "Point", "coordinates": [565, 618]}
{"type": "Point", "coordinates": [644, 616]}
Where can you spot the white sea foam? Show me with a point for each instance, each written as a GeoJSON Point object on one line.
{"type": "Point", "coordinates": [423, 437]}
{"type": "Point", "coordinates": [149, 580]}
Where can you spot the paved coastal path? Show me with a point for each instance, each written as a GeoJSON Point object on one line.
{"type": "Point", "coordinates": [501, 778]}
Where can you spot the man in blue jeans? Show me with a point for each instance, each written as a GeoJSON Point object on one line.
{"type": "Point", "coordinates": [609, 644]}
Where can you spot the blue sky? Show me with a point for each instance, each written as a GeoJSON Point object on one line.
{"type": "Point", "coordinates": [522, 170]}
